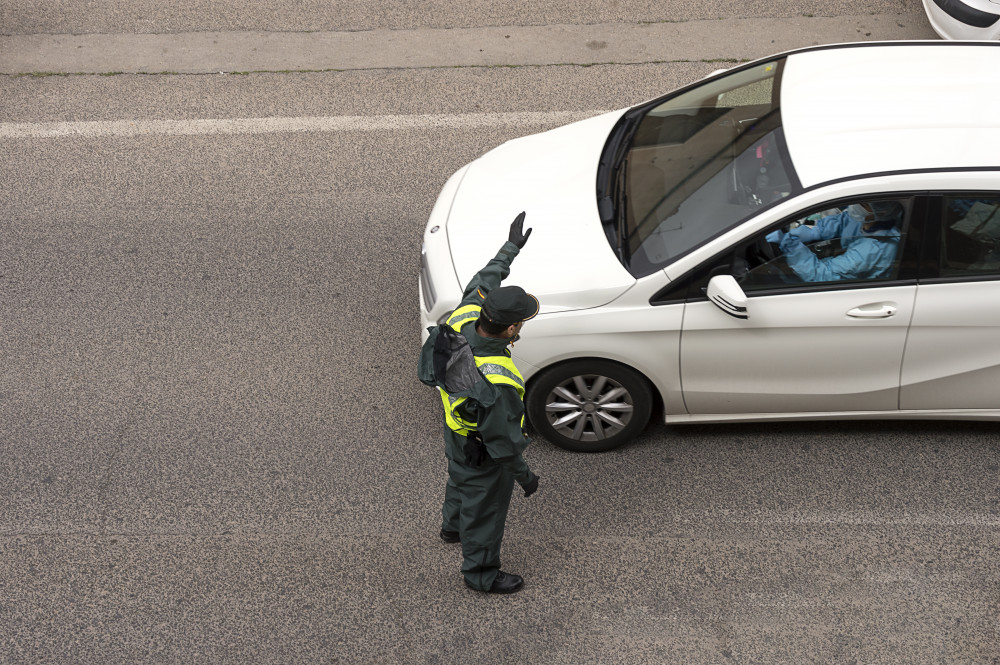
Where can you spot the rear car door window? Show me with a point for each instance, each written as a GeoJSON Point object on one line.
{"type": "Point", "coordinates": [970, 242]}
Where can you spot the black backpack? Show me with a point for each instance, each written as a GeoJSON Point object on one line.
{"type": "Point", "coordinates": [446, 361]}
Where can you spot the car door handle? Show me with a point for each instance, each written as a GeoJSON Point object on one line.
{"type": "Point", "coordinates": [879, 310]}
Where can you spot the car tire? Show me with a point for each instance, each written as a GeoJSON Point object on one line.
{"type": "Point", "coordinates": [589, 405]}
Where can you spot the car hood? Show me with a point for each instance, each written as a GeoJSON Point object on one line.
{"type": "Point", "coordinates": [567, 262]}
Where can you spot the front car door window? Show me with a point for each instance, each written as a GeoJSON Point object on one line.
{"type": "Point", "coordinates": [859, 241]}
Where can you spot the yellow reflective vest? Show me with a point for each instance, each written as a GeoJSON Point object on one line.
{"type": "Point", "coordinates": [498, 370]}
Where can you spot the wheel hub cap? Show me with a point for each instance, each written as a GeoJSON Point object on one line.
{"type": "Point", "coordinates": [589, 407]}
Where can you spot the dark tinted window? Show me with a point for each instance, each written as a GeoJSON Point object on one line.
{"type": "Point", "coordinates": [970, 241]}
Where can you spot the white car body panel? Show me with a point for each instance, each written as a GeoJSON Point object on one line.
{"type": "Point", "coordinates": [628, 331]}
{"type": "Point", "coordinates": [437, 267]}
{"type": "Point", "coordinates": [568, 263]}
{"type": "Point", "coordinates": [935, 122]}
{"type": "Point", "coordinates": [755, 365]}
{"type": "Point", "coordinates": [953, 352]}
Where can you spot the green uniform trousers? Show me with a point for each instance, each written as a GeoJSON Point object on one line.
{"type": "Point", "coordinates": [476, 500]}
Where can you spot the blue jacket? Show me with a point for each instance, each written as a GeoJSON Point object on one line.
{"type": "Point", "coordinates": [866, 255]}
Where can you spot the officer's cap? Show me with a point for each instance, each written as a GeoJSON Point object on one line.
{"type": "Point", "coordinates": [508, 305]}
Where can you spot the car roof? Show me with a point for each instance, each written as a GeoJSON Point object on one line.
{"type": "Point", "coordinates": [857, 109]}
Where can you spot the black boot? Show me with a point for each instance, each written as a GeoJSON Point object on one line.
{"type": "Point", "coordinates": [504, 583]}
{"type": "Point", "coordinates": [450, 536]}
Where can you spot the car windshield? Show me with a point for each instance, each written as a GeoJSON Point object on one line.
{"type": "Point", "coordinates": [700, 163]}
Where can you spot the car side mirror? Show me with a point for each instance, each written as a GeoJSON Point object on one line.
{"type": "Point", "coordinates": [725, 292]}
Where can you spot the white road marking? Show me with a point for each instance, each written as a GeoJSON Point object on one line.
{"type": "Point", "coordinates": [344, 123]}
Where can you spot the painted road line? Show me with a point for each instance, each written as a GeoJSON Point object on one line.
{"type": "Point", "coordinates": [345, 123]}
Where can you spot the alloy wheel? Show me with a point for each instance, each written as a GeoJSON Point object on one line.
{"type": "Point", "coordinates": [589, 407]}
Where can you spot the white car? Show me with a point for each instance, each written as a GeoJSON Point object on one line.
{"type": "Point", "coordinates": [964, 19]}
{"type": "Point", "coordinates": [814, 235]}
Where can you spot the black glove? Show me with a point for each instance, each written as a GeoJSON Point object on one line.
{"type": "Point", "coordinates": [517, 236]}
{"type": "Point", "coordinates": [532, 485]}
{"type": "Point", "coordinates": [475, 451]}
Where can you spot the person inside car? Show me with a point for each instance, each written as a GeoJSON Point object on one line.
{"type": "Point", "coordinates": [869, 237]}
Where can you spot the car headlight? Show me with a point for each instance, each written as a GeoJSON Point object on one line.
{"type": "Point", "coordinates": [426, 284]}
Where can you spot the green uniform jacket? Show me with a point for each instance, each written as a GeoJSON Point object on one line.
{"type": "Point", "coordinates": [499, 421]}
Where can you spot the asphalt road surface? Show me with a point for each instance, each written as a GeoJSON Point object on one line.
{"type": "Point", "coordinates": [213, 446]}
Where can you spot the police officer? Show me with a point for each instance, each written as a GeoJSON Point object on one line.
{"type": "Point", "coordinates": [484, 438]}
